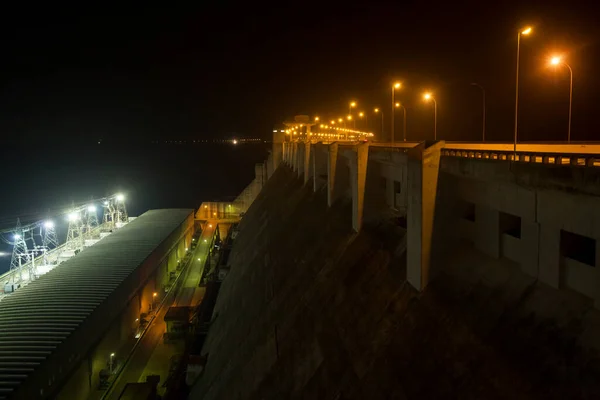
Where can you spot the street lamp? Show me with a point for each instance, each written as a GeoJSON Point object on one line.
{"type": "Point", "coordinates": [398, 105]}
{"type": "Point", "coordinates": [428, 96]}
{"type": "Point", "coordinates": [377, 110]}
{"type": "Point", "coordinates": [483, 101]}
{"type": "Point", "coordinates": [363, 115]}
{"type": "Point", "coordinates": [317, 119]}
{"type": "Point", "coordinates": [395, 86]}
{"type": "Point", "coordinates": [111, 362]}
{"type": "Point", "coordinates": [525, 31]}
{"type": "Point", "coordinates": [556, 61]}
{"type": "Point", "coordinates": [351, 106]}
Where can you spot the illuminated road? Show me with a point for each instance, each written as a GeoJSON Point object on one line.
{"type": "Point", "coordinates": [190, 294]}
{"type": "Point", "coordinates": [152, 356]}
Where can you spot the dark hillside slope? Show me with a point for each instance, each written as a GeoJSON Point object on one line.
{"type": "Point", "coordinates": [311, 310]}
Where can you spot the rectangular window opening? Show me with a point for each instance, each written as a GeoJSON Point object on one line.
{"type": "Point", "coordinates": [510, 224]}
{"type": "Point", "coordinates": [397, 187]}
{"type": "Point", "coordinates": [578, 247]}
{"type": "Point", "coordinates": [469, 211]}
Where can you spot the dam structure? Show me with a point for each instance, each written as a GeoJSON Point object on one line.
{"type": "Point", "coordinates": [412, 270]}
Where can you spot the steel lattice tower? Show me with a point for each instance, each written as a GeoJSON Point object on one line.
{"type": "Point", "coordinates": [92, 219]}
{"type": "Point", "coordinates": [20, 253]}
{"type": "Point", "coordinates": [121, 209]}
{"type": "Point", "coordinates": [109, 214]}
{"type": "Point", "coordinates": [74, 234]}
{"type": "Point", "coordinates": [49, 239]}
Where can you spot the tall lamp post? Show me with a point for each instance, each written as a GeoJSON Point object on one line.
{"type": "Point", "coordinates": [363, 115]}
{"type": "Point", "coordinates": [403, 120]}
{"type": "Point", "coordinates": [350, 107]}
{"type": "Point", "coordinates": [428, 96]}
{"type": "Point", "coordinates": [559, 61]}
{"type": "Point", "coordinates": [377, 110]}
{"type": "Point", "coordinates": [395, 86]}
{"type": "Point", "coordinates": [483, 106]}
{"type": "Point", "coordinates": [526, 31]}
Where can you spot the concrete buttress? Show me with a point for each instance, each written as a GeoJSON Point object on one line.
{"type": "Point", "coordinates": [319, 169]}
{"type": "Point", "coordinates": [331, 169]}
{"type": "Point", "coordinates": [307, 163]}
{"type": "Point", "coordinates": [423, 171]}
{"type": "Point", "coordinates": [358, 176]}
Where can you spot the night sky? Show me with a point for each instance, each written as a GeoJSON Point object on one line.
{"type": "Point", "coordinates": [224, 69]}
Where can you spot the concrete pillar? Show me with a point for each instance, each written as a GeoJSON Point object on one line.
{"type": "Point", "coordinates": [294, 155]}
{"type": "Point", "coordinates": [300, 159]}
{"type": "Point", "coordinates": [487, 230]}
{"type": "Point", "coordinates": [530, 237]}
{"type": "Point", "coordinates": [277, 153]}
{"type": "Point", "coordinates": [307, 163]}
{"type": "Point", "coordinates": [258, 180]}
{"type": "Point", "coordinates": [549, 255]}
{"type": "Point", "coordinates": [271, 166]}
{"type": "Point", "coordinates": [331, 169]}
{"type": "Point", "coordinates": [422, 181]}
{"type": "Point", "coordinates": [358, 177]}
{"type": "Point", "coordinates": [265, 173]}
{"type": "Point", "coordinates": [319, 169]}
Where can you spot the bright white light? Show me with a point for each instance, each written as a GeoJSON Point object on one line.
{"type": "Point", "coordinates": [137, 335]}
{"type": "Point", "coordinates": [106, 203]}
{"type": "Point", "coordinates": [112, 354]}
{"type": "Point", "coordinates": [198, 259]}
{"type": "Point", "coordinates": [186, 249]}
{"type": "Point", "coordinates": [73, 216]}
{"type": "Point", "coordinates": [204, 240]}
{"type": "Point", "coordinates": [120, 197]}
{"type": "Point", "coordinates": [49, 224]}
{"type": "Point", "coordinates": [17, 236]}
{"type": "Point", "coordinates": [234, 141]}
{"type": "Point", "coordinates": [91, 208]}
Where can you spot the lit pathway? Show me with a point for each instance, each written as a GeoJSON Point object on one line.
{"type": "Point", "coordinates": [152, 356]}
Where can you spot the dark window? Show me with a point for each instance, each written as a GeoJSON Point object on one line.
{"type": "Point", "coordinates": [510, 224]}
{"type": "Point", "coordinates": [469, 211]}
{"type": "Point", "coordinates": [578, 247]}
{"type": "Point", "coordinates": [397, 187]}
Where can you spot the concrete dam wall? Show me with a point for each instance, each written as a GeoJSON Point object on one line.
{"type": "Point", "coordinates": [313, 309]}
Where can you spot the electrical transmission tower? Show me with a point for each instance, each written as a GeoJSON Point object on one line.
{"type": "Point", "coordinates": [121, 209]}
{"type": "Point", "coordinates": [49, 238]}
{"type": "Point", "coordinates": [109, 214]}
{"type": "Point", "coordinates": [74, 233]}
{"type": "Point", "coordinates": [91, 220]}
{"type": "Point", "coordinates": [20, 255]}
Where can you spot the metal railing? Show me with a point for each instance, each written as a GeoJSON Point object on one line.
{"type": "Point", "coordinates": [54, 254]}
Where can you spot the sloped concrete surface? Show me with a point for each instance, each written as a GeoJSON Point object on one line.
{"type": "Point", "coordinates": [311, 310]}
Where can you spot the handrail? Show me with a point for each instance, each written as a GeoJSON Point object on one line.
{"type": "Point", "coordinates": [50, 253]}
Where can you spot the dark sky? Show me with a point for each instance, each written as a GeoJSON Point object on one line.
{"type": "Point", "coordinates": [216, 70]}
